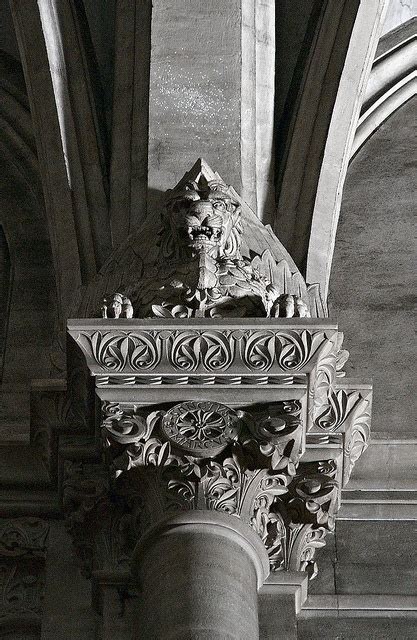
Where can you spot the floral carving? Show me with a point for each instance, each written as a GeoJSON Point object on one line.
{"type": "Point", "coordinates": [22, 537]}
{"type": "Point", "coordinates": [222, 484]}
{"type": "Point", "coordinates": [201, 428]}
{"type": "Point", "coordinates": [340, 404]}
{"type": "Point", "coordinates": [248, 462]}
{"type": "Point", "coordinates": [293, 522]}
{"type": "Point", "coordinates": [250, 468]}
{"type": "Point", "coordinates": [122, 427]}
{"type": "Point", "coordinates": [349, 411]}
{"type": "Point", "coordinates": [259, 350]}
{"type": "Point", "coordinates": [291, 350]}
{"type": "Point", "coordinates": [357, 435]}
{"type": "Point", "coordinates": [22, 555]}
{"type": "Point", "coordinates": [116, 351]}
{"type": "Point", "coordinates": [278, 431]}
{"type": "Point", "coordinates": [210, 351]}
{"type": "Point", "coordinates": [322, 378]}
{"type": "Point", "coordinates": [296, 349]}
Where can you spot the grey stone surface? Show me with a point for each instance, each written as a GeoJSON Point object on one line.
{"type": "Point", "coordinates": [67, 608]}
{"type": "Point", "coordinates": [374, 282]}
{"type": "Point", "coordinates": [326, 628]}
{"type": "Point", "coordinates": [373, 557]}
{"type": "Point", "coordinates": [389, 543]}
{"type": "Point", "coordinates": [198, 581]}
{"type": "Point", "coordinates": [386, 465]}
{"type": "Point", "coordinates": [326, 559]}
{"type": "Point", "coordinates": [203, 102]}
{"type": "Point", "coordinates": [8, 40]}
{"type": "Point", "coordinates": [195, 89]}
{"type": "Point", "coordinates": [277, 618]}
{"type": "Point", "coordinates": [399, 11]}
{"type": "Point", "coordinates": [33, 302]}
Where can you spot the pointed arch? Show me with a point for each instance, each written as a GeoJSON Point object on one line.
{"type": "Point", "coordinates": [320, 132]}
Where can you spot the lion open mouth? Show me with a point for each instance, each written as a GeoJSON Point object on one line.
{"type": "Point", "coordinates": [204, 233]}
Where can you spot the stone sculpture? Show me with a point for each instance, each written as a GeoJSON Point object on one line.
{"type": "Point", "coordinates": [244, 416]}
{"type": "Point", "coordinates": [117, 306]}
{"type": "Point", "coordinates": [200, 270]}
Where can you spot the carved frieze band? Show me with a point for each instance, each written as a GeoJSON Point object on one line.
{"type": "Point", "coordinates": [201, 351]}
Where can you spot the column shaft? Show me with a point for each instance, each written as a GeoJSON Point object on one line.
{"type": "Point", "coordinates": [199, 580]}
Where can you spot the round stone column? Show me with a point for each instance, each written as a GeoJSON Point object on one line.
{"type": "Point", "coordinates": [199, 573]}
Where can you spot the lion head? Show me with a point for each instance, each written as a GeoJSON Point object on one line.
{"type": "Point", "coordinates": [202, 215]}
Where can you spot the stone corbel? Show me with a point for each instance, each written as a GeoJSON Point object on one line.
{"type": "Point", "coordinates": [178, 433]}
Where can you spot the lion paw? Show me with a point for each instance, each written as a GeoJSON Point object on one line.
{"type": "Point", "coordinates": [289, 306]}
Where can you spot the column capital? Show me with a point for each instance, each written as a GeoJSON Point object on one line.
{"type": "Point", "coordinates": [223, 395]}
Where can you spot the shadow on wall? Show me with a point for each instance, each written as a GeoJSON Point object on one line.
{"type": "Point", "coordinates": [31, 308]}
{"type": "Point", "coordinates": [373, 288]}
{"type": "Point", "coordinates": [5, 294]}
{"type": "Point", "coordinates": [156, 201]}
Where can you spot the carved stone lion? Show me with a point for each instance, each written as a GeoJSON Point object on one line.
{"type": "Point", "coordinates": [201, 217]}
{"type": "Point", "coordinates": [200, 269]}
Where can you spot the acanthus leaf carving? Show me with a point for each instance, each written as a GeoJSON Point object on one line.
{"type": "Point", "coordinates": [253, 472]}
{"type": "Point", "coordinates": [294, 523]}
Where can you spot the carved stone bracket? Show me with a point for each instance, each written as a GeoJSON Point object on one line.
{"type": "Point", "coordinates": [225, 395]}
{"type": "Point", "coordinates": [276, 454]}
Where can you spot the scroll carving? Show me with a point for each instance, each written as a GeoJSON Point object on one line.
{"type": "Point", "coordinates": [247, 464]}
{"type": "Point", "coordinates": [22, 537]}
